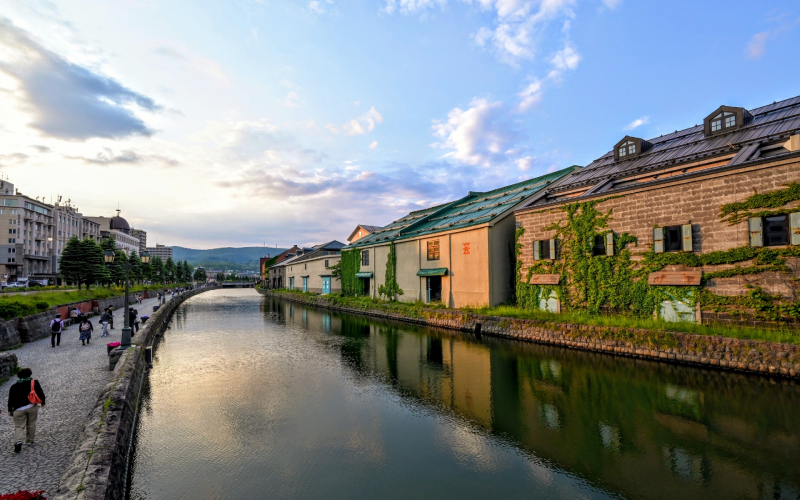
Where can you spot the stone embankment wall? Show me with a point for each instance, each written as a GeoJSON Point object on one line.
{"type": "Point", "coordinates": [98, 467]}
{"type": "Point", "coordinates": [8, 366]}
{"type": "Point", "coordinates": [754, 356]}
{"type": "Point", "coordinates": [37, 326]}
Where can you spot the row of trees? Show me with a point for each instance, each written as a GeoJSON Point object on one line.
{"type": "Point", "coordinates": [82, 263]}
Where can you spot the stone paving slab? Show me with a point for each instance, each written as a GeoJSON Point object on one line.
{"type": "Point", "coordinates": [72, 376]}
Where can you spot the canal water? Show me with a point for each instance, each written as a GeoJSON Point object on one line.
{"type": "Point", "coordinates": [253, 397]}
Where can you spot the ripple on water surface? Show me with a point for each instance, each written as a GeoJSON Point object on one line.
{"type": "Point", "coordinates": [252, 397]}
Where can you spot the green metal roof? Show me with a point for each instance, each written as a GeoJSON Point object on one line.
{"type": "Point", "coordinates": [472, 210]}
{"type": "Point", "coordinates": [439, 271]}
{"type": "Point", "coordinates": [364, 275]}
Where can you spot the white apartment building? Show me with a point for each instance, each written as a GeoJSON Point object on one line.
{"type": "Point", "coordinates": [119, 229]}
{"type": "Point", "coordinates": [162, 251]}
{"type": "Point", "coordinates": [27, 232]}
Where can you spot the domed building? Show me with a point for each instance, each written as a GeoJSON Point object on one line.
{"type": "Point", "coordinates": [118, 228]}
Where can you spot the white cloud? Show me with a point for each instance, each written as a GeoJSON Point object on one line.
{"type": "Point", "coordinates": [479, 135]}
{"type": "Point", "coordinates": [565, 59]}
{"type": "Point", "coordinates": [531, 95]}
{"type": "Point", "coordinates": [526, 163]}
{"type": "Point", "coordinates": [373, 145]}
{"type": "Point", "coordinates": [757, 45]}
{"type": "Point", "coordinates": [637, 123]}
{"type": "Point", "coordinates": [364, 124]}
{"type": "Point", "coordinates": [287, 83]}
{"type": "Point", "coordinates": [319, 6]}
{"type": "Point", "coordinates": [612, 4]}
{"type": "Point", "coordinates": [411, 6]}
{"type": "Point", "coordinates": [292, 99]}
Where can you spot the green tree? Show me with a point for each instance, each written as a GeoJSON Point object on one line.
{"type": "Point", "coordinates": [95, 267]}
{"type": "Point", "coordinates": [169, 270]}
{"type": "Point", "coordinates": [136, 267]}
{"type": "Point", "coordinates": [157, 269]}
{"type": "Point", "coordinates": [71, 263]}
{"type": "Point", "coordinates": [187, 271]}
{"type": "Point", "coordinates": [200, 274]}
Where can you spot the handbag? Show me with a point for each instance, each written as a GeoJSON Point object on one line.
{"type": "Point", "coordinates": [32, 396]}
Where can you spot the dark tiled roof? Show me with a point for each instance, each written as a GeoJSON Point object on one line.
{"type": "Point", "coordinates": [779, 119]}
{"type": "Point", "coordinates": [475, 208]}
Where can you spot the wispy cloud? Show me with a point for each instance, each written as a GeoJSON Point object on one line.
{"type": "Point", "coordinates": [319, 6]}
{"type": "Point", "coordinates": [364, 124]}
{"type": "Point", "coordinates": [757, 45]}
{"type": "Point", "coordinates": [69, 101]}
{"type": "Point", "coordinates": [194, 62]}
{"type": "Point", "coordinates": [637, 123]}
{"type": "Point", "coordinates": [292, 99]}
{"type": "Point", "coordinates": [563, 60]}
{"type": "Point", "coordinates": [373, 145]}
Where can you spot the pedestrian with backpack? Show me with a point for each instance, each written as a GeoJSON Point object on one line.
{"type": "Point", "coordinates": [23, 400]}
{"type": "Point", "coordinates": [56, 326]}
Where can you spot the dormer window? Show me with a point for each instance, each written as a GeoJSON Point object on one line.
{"type": "Point", "coordinates": [725, 119]}
{"type": "Point", "coordinates": [629, 146]}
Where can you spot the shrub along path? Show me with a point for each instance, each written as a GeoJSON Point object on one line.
{"type": "Point", "coordinates": [72, 376]}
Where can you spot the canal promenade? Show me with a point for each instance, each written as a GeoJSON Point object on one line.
{"type": "Point", "coordinates": [72, 376]}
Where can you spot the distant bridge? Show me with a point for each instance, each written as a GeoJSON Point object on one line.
{"type": "Point", "coordinates": [238, 284]}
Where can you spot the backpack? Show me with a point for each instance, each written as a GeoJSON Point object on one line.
{"type": "Point", "coordinates": [55, 326]}
{"type": "Point", "coordinates": [32, 396]}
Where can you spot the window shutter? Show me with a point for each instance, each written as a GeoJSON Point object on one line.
{"type": "Point", "coordinates": [794, 228]}
{"type": "Point", "coordinates": [553, 249]}
{"type": "Point", "coordinates": [610, 244]}
{"type": "Point", "coordinates": [658, 239]}
{"type": "Point", "coordinates": [756, 233]}
{"type": "Point", "coordinates": [686, 232]}
{"type": "Point", "coordinates": [536, 250]}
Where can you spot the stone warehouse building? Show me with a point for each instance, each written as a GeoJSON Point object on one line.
{"type": "Point", "coordinates": [310, 271]}
{"type": "Point", "coordinates": [713, 205]}
{"type": "Point", "coordinates": [460, 253]}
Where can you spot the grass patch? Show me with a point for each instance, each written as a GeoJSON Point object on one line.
{"type": "Point", "coordinates": [17, 306]}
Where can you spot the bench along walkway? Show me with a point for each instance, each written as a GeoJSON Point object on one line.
{"type": "Point", "coordinates": [72, 376]}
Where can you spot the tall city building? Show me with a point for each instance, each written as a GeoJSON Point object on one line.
{"type": "Point", "coordinates": [71, 223]}
{"type": "Point", "coordinates": [27, 233]}
{"type": "Point", "coordinates": [141, 235]}
{"type": "Point", "coordinates": [160, 250]}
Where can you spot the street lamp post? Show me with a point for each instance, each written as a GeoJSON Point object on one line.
{"type": "Point", "coordinates": [109, 256]}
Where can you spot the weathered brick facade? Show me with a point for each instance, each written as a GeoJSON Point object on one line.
{"type": "Point", "coordinates": [694, 201]}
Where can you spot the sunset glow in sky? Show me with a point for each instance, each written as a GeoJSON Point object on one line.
{"type": "Point", "coordinates": [233, 123]}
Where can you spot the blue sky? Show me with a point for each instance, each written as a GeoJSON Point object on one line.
{"type": "Point", "coordinates": [251, 121]}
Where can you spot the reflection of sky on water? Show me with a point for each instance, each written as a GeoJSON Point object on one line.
{"type": "Point", "coordinates": [316, 404]}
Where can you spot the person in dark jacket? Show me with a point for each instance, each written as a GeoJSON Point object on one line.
{"type": "Point", "coordinates": [111, 313]}
{"type": "Point", "coordinates": [20, 407]}
{"type": "Point", "coordinates": [133, 314]}
{"type": "Point", "coordinates": [104, 320]}
{"type": "Point", "coordinates": [56, 326]}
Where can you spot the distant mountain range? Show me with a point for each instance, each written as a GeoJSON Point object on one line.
{"type": "Point", "coordinates": [237, 259]}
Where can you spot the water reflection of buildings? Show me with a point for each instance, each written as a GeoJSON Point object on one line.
{"type": "Point", "coordinates": [625, 425]}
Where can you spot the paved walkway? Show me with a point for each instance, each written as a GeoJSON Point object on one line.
{"type": "Point", "coordinates": [72, 377]}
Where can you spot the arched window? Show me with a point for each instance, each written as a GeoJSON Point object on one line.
{"type": "Point", "coordinates": [627, 148]}
{"type": "Point", "coordinates": [722, 121]}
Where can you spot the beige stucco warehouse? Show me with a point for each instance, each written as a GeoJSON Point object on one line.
{"type": "Point", "coordinates": [311, 271]}
{"type": "Point", "coordinates": [460, 253]}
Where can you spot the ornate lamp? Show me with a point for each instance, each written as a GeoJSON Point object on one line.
{"type": "Point", "coordinates": [145, 257]}
{"type": "Point", "coordinates": [108, 256]}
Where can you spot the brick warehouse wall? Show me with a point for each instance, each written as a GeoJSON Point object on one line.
{"type": "Point", "coordinates": [696, 201]}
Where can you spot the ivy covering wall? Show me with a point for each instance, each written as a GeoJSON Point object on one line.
{"type": "Point", "coordinates": [618, 283]}
{"type": "Point", "coordinates": [348, 267]}
{"type": "Point", "coordinates": [390, 289]}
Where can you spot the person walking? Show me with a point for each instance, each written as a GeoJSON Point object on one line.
{"type": "Point", "coordinates": [132, 314]}
{"type": "Point", "coordinates": [56, 326]}
{"type": "Point", "coordinates": [85, 328]}
{"type": "Point", "coordinates": [105, 319]}
{"type": "Point", "coordinates": [111, 313]}
{"type": "Point", "coordinates": [23, 400]}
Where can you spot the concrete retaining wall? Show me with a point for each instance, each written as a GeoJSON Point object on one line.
{"type": "Point", "coordinates": [9, 336]}
{"type": "Point", "coordinates": [754, 356]}
{"type": "Point", "coordinates": [8, 366]}
{"type": "Point", "coordinates": [97, 469]}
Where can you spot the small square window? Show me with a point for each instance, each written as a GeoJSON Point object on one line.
{"type": "Point", "coordinates": [673, 240]}
{"type": "Point", "coordinates": [632, 149]}
{"type": "Point", "coordinates": [433, 250]}
{"type": "Point", "coordinates": [546, 250]}
{"type": "Point", "coordinates": [730, 121]}
{"type": "Point", "coordinates": [716, 125]}
{"type": "Point", "coordinates": [622, 151]}
{"type": "Point", "coordinates": [599, 247]}
{"type": "Point", "coordinates": [776, 230]}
